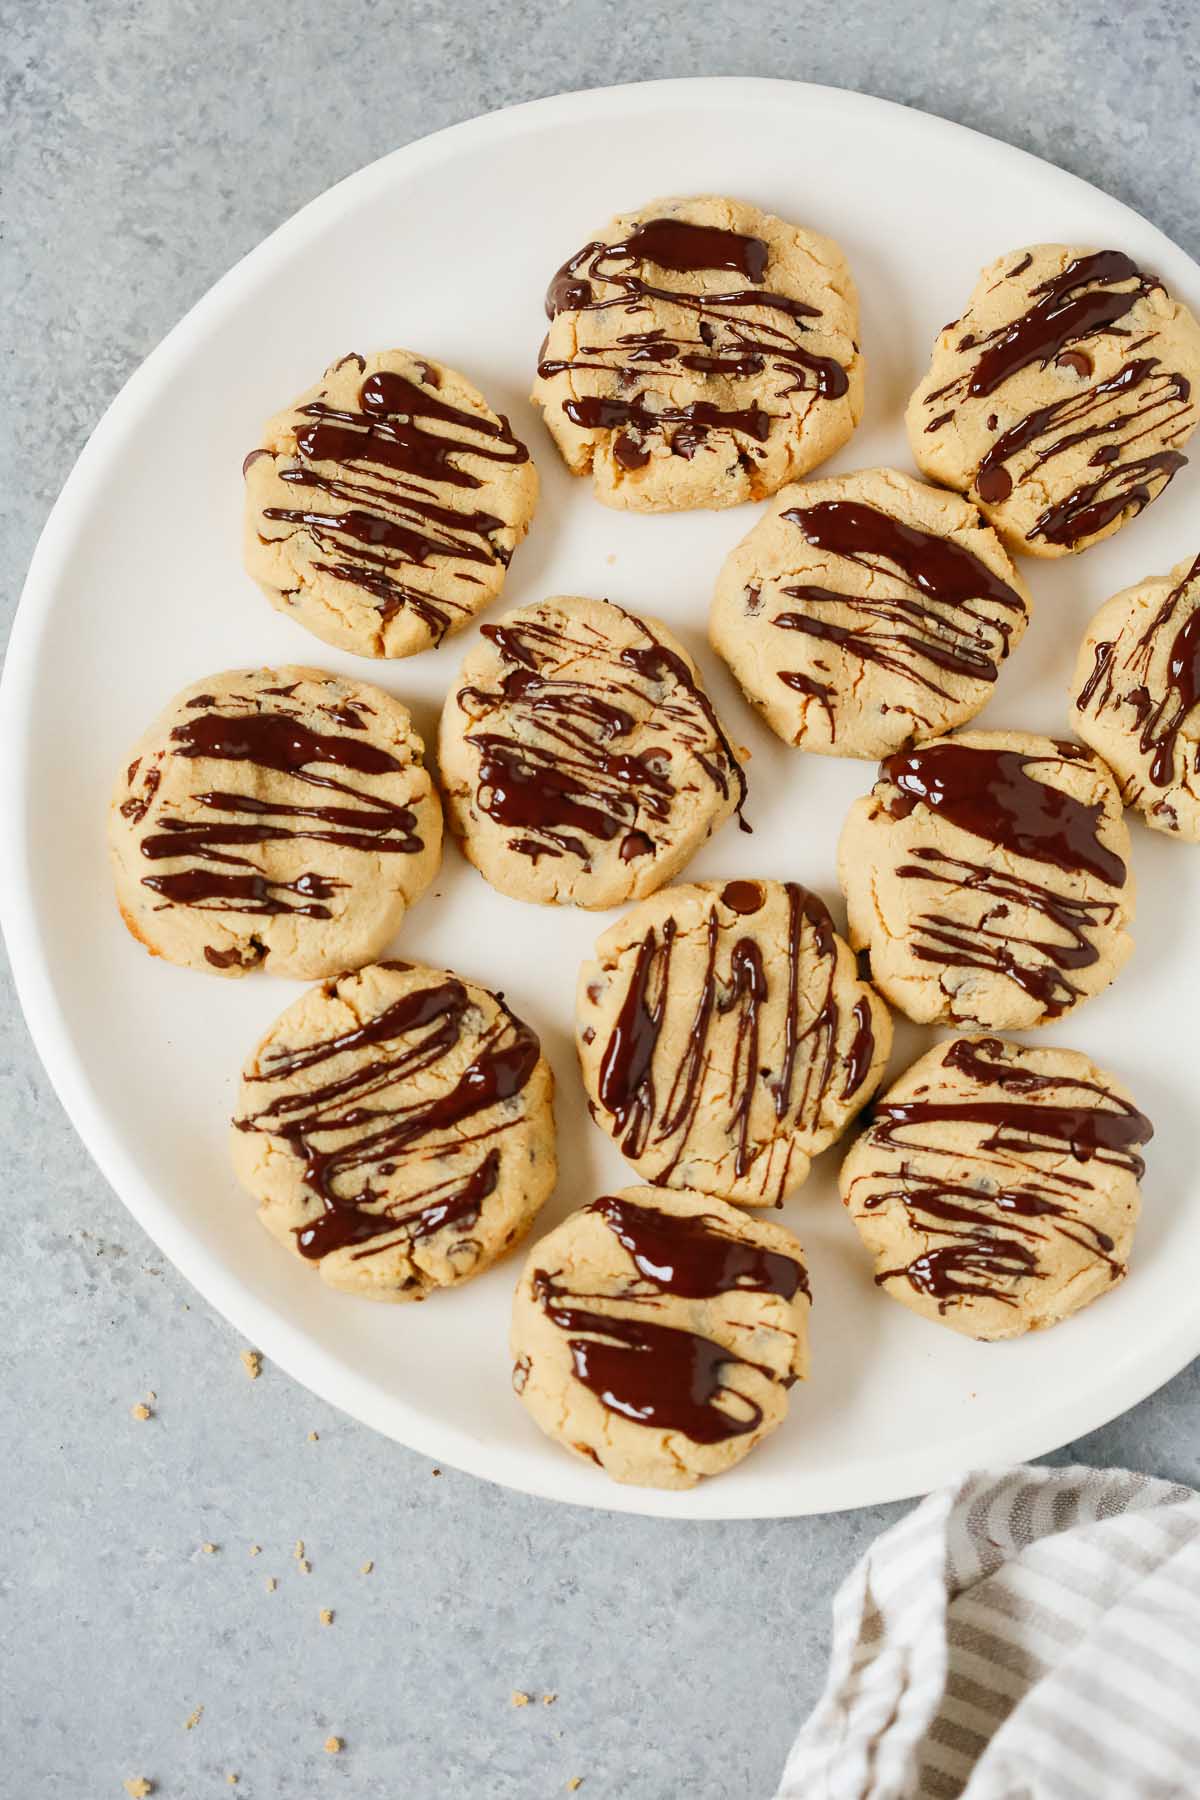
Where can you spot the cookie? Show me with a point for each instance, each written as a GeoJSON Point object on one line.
{"type": "Point", "coordinates": [725, 1038]}
{"type": "Point", "coordinates": [988, 876]}
{"type": "Point", "coordinates": [581, 759]}
{"type": "Point", "coordinates": [866, 612]}
{"type": "Point", "coordinates": [1136, 696]}
{"type": "Point", "coordinates": [700, 353]}
{"type": "Point", "coordinates": [274, 818]}
{"type": "Point", "coordinates": [657, 1332]}
{"type": "Point", "coordinates": [996, 1186]}
{"type": "Point", "coordinates": [384, 505]}
{"type": "Point", "coordinates": [396, 1128]}
{"type": "Point", "coordinates": [1061, 400]}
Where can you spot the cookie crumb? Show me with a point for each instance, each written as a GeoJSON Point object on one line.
{"type": "Point", "coordinates": [193, 1719]}
{"type": "Point", "coordinates": [305, 1567]}
{"type": "Point", "coordinates": [298, 1552]}
{"type": "Point", "coordinates": [209, 1549]}
{"type": "Point", "coordinates": [313, 1438]}
{"type": "Point", "coordinates": [437, 1471]}
{"type": "Point", "coordinates": [138, 1786]}
{"type": "Point", "coordinates": [232, 1779]}
{"type": "Point", "coordinates": [255, 1549]}
{"type": "Point", "coordinates": [366, 1567]}
{"type": "Point", "coordinates": [271, 1584]}
{"type": "Point", "coordinates": [575, 1783]}
{"type": "Point", "coordinates": [252, 1363]}
{"type": "Point", "coordinates": [333, 1745]}
{"type": "Point", "coordinates": [549, 1699]}
{"type": "Point", "coordinates": [141, 1411]}
{"type": "Point", "coordinates": [326, 1616]}
{"type": "Point", "coordinates": [519, 1699]}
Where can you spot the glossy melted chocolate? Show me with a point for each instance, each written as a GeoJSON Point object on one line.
{"type": "Point", "coordinates": [690, 1255]}
{"type": "Point", "coordinates": [354, 1129]}
{"type": "Point", "coordinates": [992, 795]}
{"type": "Point", "coordinates": [659, 1375]}
{"type": "Point", "coordinates": [653, 1102]}
{"type": "Point", "coordinates": [1135, 417]}
{"type": "Point", "coordinates": [1159, 710]}
{"type": "Point", "coordinates": [948, 614]}
{"type": "Point", "coordinates": [375, 487]}
{"type": "Point", "coordinates": [552, 763]}
{"type": "Point", "coordinates": [652, 1374]}
{"type": "Point", "coordinates": [226, 858]}
{"type": "Point", "coordinates": [987, 1236]}
{"type": "Point", "coordinates": [739, 333]}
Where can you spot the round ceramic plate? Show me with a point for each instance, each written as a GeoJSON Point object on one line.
{"type": "Point", "coordinates": [137, 588]}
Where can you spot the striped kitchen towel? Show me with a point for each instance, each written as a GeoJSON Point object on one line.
{"type": "Point", "coordinates": [1030, 1635]}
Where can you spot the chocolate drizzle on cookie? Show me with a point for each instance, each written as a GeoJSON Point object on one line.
{"type": "Point", "coordinates": [948, 616]}
{"type": "Point", "coordinates": [661, 1375]}
{"type": "Point", "coordinates": [397, 1110]}
{"type": "Point", "coordinates": [222, 862]}
{"type": "Point", "coordinates": [652, 1374]}
{"type": "Point", "coordinates": [1135, 417]}
{"type": "Point", "coordinates": [1160, 691]}
{"type": "Point", "coordinates": [553, 766]}
{"type": "Point", "coordinates": [861, 1053]}
{"type": "Point", "coordinates": [383, 494]}
{"type": "Point", "coordinates": [1087, 297]}
{"type": "Point", "coordinates": [985, 944]}
{"type": "Point", "coordinates": [992, 795]}
{"type": "Point", "coordinates": [984, 1235]}
{"type": "Point", "coordinates": [1107, 1130]}
{"type": "Point", "coordinates": [738, 333]}
{"type": "Point", "coordinates": [692, 1256]}
{"type": "Point", "coordinates": [989, 793]}
{"type": "Point", "coordinates": [653, 1096]}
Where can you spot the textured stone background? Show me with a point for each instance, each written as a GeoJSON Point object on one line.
{"type": "Point", "coordinates": [144, 147]}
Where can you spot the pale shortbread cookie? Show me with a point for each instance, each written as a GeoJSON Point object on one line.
{"type": "Point", "coordinates": [274, 818]}
{"type": "Point", "coordinates": [384, 505]}
{"type": "Point", "coordinates": [988, 876]}
{"type": "Point", "coordinates": [700, 353]}
{"type": "Point", "coordinates": [867, 611]}
{"type": "Point", "coordinates": [581, 759]}
{"type": "Point", "coordinates": [657, 1332]}
{"type": "Point", "coordinates": [396, 1128]}
{"type": "Point", "coordinates": [1061, 399]}
{"type": "Point", "coordinates": [1136, 697]}
{"type": "Point", "coordinates": [725, 1038]}
{"type": "Point", "coordinates": [996, 1186]}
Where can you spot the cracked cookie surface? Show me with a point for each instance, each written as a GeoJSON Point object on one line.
{"type": "Point", "coordinates": [581, 760]}
{"type": "Point", "coordinates": [657, 1332]}
{"type": "Point", "coordinates": [384, 505]}
{"type": "Point", "coordinates": [996, 1186]}
{"type": "Point", "coordinates": [867, 611]}
{"type": "Point", "coordinates": [396, 1128]}
{"type": "Point", "coordinates": [274, 818]}
{"type": "Point", "coordinates": [725, 1039]}
{"type": "Point", "coordinates": [988, 876]}
{"type": "Point", "coordinates": [1061, 399]}
{"type": "Point", "coordinates": [700, 353]}
{"type": "Point", "coordinates": [1136, 697]}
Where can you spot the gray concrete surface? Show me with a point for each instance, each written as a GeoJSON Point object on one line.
{"type": "Point", "coordinates": [143, 148]}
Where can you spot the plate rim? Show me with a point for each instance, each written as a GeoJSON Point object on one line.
{"type": "Point", "coordinates": [285, 1342]}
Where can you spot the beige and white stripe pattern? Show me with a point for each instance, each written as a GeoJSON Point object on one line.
{"type": "Point", "coordinates": [1033, 1635]}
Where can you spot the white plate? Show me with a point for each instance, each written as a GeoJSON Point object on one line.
{"type": "Point", "coordinates": [137, 588]}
